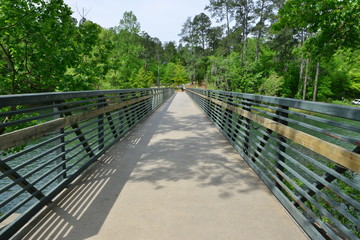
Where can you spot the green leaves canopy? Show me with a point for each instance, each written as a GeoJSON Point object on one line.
{"type": "Point", "coordinates": [37, 41]}
{"type": "Point", "coordinates": [334, 24]}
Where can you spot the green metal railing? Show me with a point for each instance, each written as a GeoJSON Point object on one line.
{"type": "Point", "coordinates": [47, 140]}
{"type": "Point", "coordinates": [307, 153]}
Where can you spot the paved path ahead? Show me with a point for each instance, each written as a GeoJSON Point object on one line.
{"type": "Point", "coordinates": [173, 177]}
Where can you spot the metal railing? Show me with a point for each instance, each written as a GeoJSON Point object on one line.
{"type": "Point", "coordinates": [49, 139]}
{"type": "Point", "coordinates": [307, 154]}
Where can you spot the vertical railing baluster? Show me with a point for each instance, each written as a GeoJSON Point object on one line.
{"type": "Point", "coordinates": [101, 124]}
{"type": "Point", "coordinates": [229, 116]}
{"type": "Point", "coordinates": [121, 115]}
{"type": "Point", "coordinates": [282, 139]}
{"type": "Point", "coordinates": [248, 129]}
{"type": "Point", "coordinates": [61, 150]}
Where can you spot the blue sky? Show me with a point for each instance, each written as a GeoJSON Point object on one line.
{"type": "Point", "coordinates": [159, 18]}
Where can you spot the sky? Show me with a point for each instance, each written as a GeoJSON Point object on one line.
{"type": "Point", "coordinates": [159, 18]}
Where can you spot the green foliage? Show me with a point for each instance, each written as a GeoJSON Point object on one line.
{"type": "Point", "coordinates": [334, 24]}
{"type": "Point", "coordinates": [168, 79]}
{"type": "Point", "coordinates": [226, 74]}
{"type": "Point", "coordinates": [37, 42]}
{"type": "Point", "coordinates": [272, 85]}
{"type": "Point", "coordinates": [179, 75]}
{"type": "Point", "coordinates": [175, 74]}
{"type": "Point", "coordinates": [91, 61]}
{"type": "Point", "coordinates": [143, 79]}
{"type": "Point", "coordinates": [16, 117]}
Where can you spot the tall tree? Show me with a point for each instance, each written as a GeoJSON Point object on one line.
{"type": "Point", "coordinates": [264, 12]}
{"type": "Point", "coordinates": [334, 24]}
{"type": "Point", "coordinates": [37, 43]}
{"type": "Point", "coordinates": [222, 10]}
{"type": "Point", "coordinates": [126, 57]}
{"type": "Point", "coordinates": [201, 27]}
{"type": "Point", "coordinates": [90, 67]}
{"type": "Point", "coordinates": [244, 18]}
{"type": "Point", "coordinates": [129, 23]}
{"type": "Point", "coordinates": [170, 52]}
{"type": "Point", "coordinates": [189, 39]}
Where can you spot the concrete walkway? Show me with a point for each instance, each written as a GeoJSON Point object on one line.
{"type": "Point", "coordinates": [173, 177]}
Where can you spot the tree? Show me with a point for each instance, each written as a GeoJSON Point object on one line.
{"type": "Point", "coordinates": [126, 56]}
{"type": "Point", "coordinates": [170, 52]}
{"type": "Point", "coordinates": [168, 78]}
{"type": "Point", "coordinates": [334, 24]}
{"type": "Point", "coordinates": [264, 11]}
{"type": "Point", "coordinates": [180, 76]}
{"type": "Point", "coordinates": [222, 10]}
{"type": "Point", "coordinates": [129, 23]}
{"type": "Point", "coordinates": [215, 35]}
{"type": "Point", "coordinates": [272, 85]}
{"type": "Point", "coordinates": [38, 43]}
{"type": "Point", "coordinates": [187, 33]}
{"type": "Point", "coordinates": [143, 79]}
{"type": "Point", "coordinates": [244, 17]}
{"type": "Point", "coordinates": [201, 27]}
{"type": "Point", "coordinates": [91, 62]}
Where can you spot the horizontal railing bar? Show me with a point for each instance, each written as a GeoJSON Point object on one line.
{"type": "Point", "coordinates": [308, 126]}
{"type": "Point", "coordinates": [49, 106]}
{"type": "Point", "coordinates": [31, 173]}
{"type": "Point", "coordinates": [97, 103]}
{"type": "Point", "coordinates": [325, 108]}
{"type": "Point", "coordinates": [32, 160]}
{"type": "Point", "coordinates": [12, 139]}
{"type": "Point", "coordinates": [317, 164]}
{"type": "Point", "coordinates": [308, 211]}
{"type": "Point", "coordinates": [35, 98]}
{"type": "Point", "coordinates": [310, 117]}
{"type": "Point", "coordinates": [31, 148]}
{"type": "Point", "coordinates": [317, 129]}
{"type": "Point", "coordinates": [330, 201]}
{"type": "Point", "coordinates": [335, 190]}
{"type": "Point", "coordinates": [54, 159]}
{"type": "Point", "coordinates": [308, 184]}
{"type": "Point", "coordinates": [333, 152]}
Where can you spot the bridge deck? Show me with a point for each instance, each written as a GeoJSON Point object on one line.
{"type": "Point", "coordinates": [173, 177]}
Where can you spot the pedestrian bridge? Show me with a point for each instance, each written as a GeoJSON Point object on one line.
{"type": "Point", "coordinates": [154, 164]}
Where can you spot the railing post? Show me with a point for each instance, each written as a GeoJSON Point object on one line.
{"type": "Point", "coordinates": [247, 129]}
{"type": "Point", "coordinates": [208, 106]}
{"type": "Point", "coordinates": [121, 115]}
{"type": "Point", "coordinates": [101, 124]}
{"type": "Point", "coordinates": [229, 116]}
{"type": "Point", "coordinates": [61, 150]}
{"type": "Point", "coordinates": [282, 139]}
{"type": "Point", "coordinates": [153, 99]}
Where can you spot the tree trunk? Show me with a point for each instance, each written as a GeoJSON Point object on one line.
{"type": "Point", "coordinates": [258, 45]}
{"type": "Point", "coordinates": [227, 19]}
{"type": "Point", "coordinates": [301, 75]}
{"type": "Point", "coordinates": [316, 81]}
{"type": "Point", "coordinates": [260, 30]}
{"type": "Point", "coordinates": [11, 66]}
{"type": "Point", "coordinates": [246, 33]}
{"type": "Point", "coordinates": [302, 65]}
{"type": "Point", "coordinates": [306, 78]}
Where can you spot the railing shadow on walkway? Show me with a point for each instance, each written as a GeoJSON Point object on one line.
{"type": "Point", "coordinates": [188, 161]}
{"type": "Point", "coordinates": [106, 178]}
